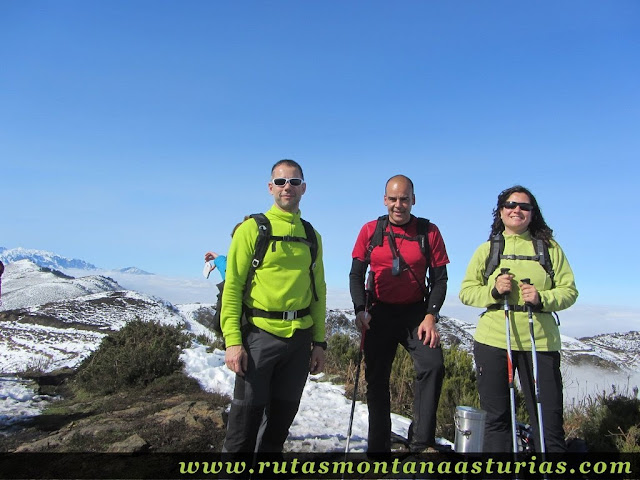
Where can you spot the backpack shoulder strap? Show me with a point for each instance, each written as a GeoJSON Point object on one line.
{"type": "Point", "coordinates": [423, 238]}
{"type": "Point", "coordinates": [497, 248]}
{"type": "Point", "coordinates": [542, 252]}
{"type": "Point", "coordinates": [493, 260]}
{"type": "Point", "coordinates": [377, 238]}
{"type": "Point", "coordinates": [312, 240]}
{"type": "Point", "coordinates": [261, 245]}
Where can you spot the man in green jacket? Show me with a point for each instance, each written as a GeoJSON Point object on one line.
{"type": "Point", "coordinates": [283, 338]}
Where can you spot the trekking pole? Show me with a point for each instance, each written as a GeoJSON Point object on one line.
{"type": "Point", "coordinates": [368, 288]}
{"type": "Point", "coordinates": [534, 360]}
{"type": "Point", "coordinates": [1, 272]}
{"type": "Point", "coordinates": [512, 390]}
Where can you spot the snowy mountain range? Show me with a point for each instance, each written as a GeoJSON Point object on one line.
{"type": "Point", "coordinates": [52, 320]}
{"type": "Point", "coordinates": [54, 261]}
{"type": "Point", "coordinates": [43, 259]}
{"type": "Point", "coordinates": [44, 307]}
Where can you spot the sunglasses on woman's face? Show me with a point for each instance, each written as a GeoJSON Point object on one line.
{"type": "Point", "coordinates": [281, 182]}
{"type": "Point", "coordinates": [527, 207]}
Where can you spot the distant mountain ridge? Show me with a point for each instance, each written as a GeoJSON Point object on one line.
{"type": "Point", "coordinates": [43, 259]}
{"type": "Point", "coordinates": [52, 260]}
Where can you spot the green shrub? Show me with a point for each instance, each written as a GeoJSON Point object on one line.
{"type": "Point", "coordinates": [342, 354]}
{"type": "Point", "coordinates": [608, 422]}
{"type": "Point", "coordinates": [211, 341]}
{"type": "Point", "coordinates": [133, 356]}
{"type": "Point", "coordinates": [629, 442]}
{"type": "Point", "coordinates": [401, 383]}
{"type": "Point", "coordinates": [458, 388]}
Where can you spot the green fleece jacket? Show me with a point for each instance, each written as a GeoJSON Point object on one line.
{"type": "Point", "coordinates": [281, 283]}
{"type": "Point", "coordinates": [491, 329]}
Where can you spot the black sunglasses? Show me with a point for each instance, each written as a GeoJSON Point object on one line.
{"type": "Point", "coordinates": [527, 207]}
{"type": "Point", "coordinates": [281, 182]}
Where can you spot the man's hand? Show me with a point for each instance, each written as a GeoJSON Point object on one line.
{"type": "Point", "coordinates": [236, 359]}
{"type": "Point", "coordinates": [362, 321]}
{"type": "Point", "coordinates": [316, 365]}
{"type": "Point", "coordinates": [427, 331]}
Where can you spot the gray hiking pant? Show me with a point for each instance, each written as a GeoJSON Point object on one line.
{"type": "Point", "coordinates": [266, 399]}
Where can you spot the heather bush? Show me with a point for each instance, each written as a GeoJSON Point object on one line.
{"type": "Point", "coordinates": [607, 422]}
{"type": "Point", "coordinates": [133, 356]}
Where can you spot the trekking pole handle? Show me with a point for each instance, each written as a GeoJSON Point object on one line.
{"type": "Point", "coordinates": [368, 291]}
{"type": "Point", "coordinates": [504, 271]}
{"type": "Point", "coordinates": [527, 281]}
{"type": "Point", "coordinates": [369, 283]}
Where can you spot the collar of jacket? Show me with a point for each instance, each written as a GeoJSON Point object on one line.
{"type": "Point", "coordinates": [526, 235]}
{"type": "Point", "coordinates": [282, 215]}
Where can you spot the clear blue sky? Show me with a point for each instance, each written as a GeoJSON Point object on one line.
{"type": "Point", "coordinates": [139, 132]}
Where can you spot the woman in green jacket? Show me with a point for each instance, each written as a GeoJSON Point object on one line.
{"type": "Point", "coordinates": [519, 220]}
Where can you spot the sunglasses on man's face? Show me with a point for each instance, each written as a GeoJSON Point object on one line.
{"type": "Point", "coordinates": [527, 207]}
{"type": "Point", "coordinates": [281, 182]}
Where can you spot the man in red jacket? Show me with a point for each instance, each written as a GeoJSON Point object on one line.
{"type": "Point", "coordinates": [404, 311]}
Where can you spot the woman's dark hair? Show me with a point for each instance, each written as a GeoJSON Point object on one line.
{"type": "Point", "coordinates": [538, 227]}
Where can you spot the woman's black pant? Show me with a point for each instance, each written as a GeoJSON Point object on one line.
{"type": "Point", "coordinates": [493, 386]}
{"type": "Point", "coordinates": [392, 325]}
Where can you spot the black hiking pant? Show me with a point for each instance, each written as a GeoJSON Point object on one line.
{"type": "Point", "coordinates": [393, 325]}
{"type": "Point", "coordinates": [266, 399]}
{"type": "Point", "coordinates": [493, 386]}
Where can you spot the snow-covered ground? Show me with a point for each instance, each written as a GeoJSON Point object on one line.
{"type": "Point", "coordinates": [322, 421]}
{"type": "Point", "coordinates": [320, 426]}
{"type": "Point", "coordinates": [18, 401]}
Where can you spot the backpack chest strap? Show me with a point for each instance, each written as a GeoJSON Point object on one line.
{"type": "Point", "coordinates": [535, 258]}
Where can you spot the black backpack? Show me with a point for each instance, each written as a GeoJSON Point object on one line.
{"type": "Point", "coordinates": [263, 240]}
{"type": "Point", "coordinates": [377, 240]}
{"type": "Point", "coordinates": [497, 247]}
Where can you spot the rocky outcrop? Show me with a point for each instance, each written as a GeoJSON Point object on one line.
{"type": "Point", "coordinates": [174, 415]}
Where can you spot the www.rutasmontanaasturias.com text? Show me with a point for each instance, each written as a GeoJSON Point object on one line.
{"type": "Point", "coordinates": [478, 468]}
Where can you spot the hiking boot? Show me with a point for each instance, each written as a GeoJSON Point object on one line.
{"type": "Point", "coordinates": [430, 449]}
{"type": "Point", "coordinates": [416, 448]}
